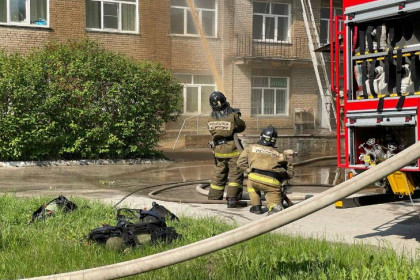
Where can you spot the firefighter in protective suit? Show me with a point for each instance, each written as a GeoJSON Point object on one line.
{"type": "Point", "coordinates": [222, 124]}
{"type": "Point", "coordinates": [267, 170]}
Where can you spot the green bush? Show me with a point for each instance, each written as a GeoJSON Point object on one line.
{"type": "Point", "coordinates": [77, 100]}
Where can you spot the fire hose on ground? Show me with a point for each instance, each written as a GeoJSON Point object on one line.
{"type": "Point", "coordinates": [250, 230]}
{"type": "Point", "coordinates": [171, 185]}
{"type": "Point", "coordinates": [201, 187]}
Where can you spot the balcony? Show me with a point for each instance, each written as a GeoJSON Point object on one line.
{"type": "Point", "coordinates": [291, 49]}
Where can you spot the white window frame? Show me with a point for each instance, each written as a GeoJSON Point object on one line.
{"type": "Point", "coordinates": [289, 23]}
{"type": "Point", "coordinates": [193, 85]}
{"type": "Point", "coordinates": [200, 16]}
{"type": "Point", "coordinates": [25, 23]}
{"type": "Point", "coordinates": [328, 23]}
{"type": "Point", "coordinates": [287, 88]}
{"type": "Point", "coordinates": [119, 30]}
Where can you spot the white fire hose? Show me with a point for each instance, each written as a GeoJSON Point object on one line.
{"type": "Point", "coordinates": [250, 230]}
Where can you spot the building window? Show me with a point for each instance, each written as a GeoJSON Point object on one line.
{"type": "Point", "coordinates": [271, 22]}
{"type": "Point", "coordinates": [197, 90]}
{"type": "Point", "coordinates": [24, 12]}
{"type": "Point", "coordinates": [269, 96]}
{"type": "Point", "coordinates": [182, 21]}
{"type": "Point", "coordinates": [324, 36]}
{"type": "Point", "coordinates": [112, 15]}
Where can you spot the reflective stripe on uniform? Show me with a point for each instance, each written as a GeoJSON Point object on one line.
{"type": "Point", "coordinates": [233, 184]}
{"type": "Point", "coordinates": [250, 190]}
{"type": "Point", "coordinates": [228, 155]}
{"type": "Point", "coordinates": [264, 179]}
{"type": "Point", "coordinates": [219, 188]}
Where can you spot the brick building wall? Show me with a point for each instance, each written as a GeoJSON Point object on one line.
{"type": "Point", "coordinates": [152, 42]}
{"type": "Point", "coordinates": [184, 54]}
{"type": "Point", "coordinates": [67, 22]}
{"type": "Point", "coordinates": [302, 87]}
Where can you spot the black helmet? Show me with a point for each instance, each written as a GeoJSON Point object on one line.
{"type": "Point", "coordinates": [268, 136]}
{"type": "Point", "coordinates": [218, 101]}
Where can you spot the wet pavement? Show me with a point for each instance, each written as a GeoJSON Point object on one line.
{"type": "Point", "coordinates": [195, 165]}
{"type": "Point", "coordinates": [394, 224]}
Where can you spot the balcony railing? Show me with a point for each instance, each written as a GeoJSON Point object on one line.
{"type": "Point", "coordinates": [291, 48]}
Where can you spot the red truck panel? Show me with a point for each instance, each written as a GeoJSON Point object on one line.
{"type": "Point", "coordinates": [348, 3]}
{"type": "Point", "coordinates": [389, 103]}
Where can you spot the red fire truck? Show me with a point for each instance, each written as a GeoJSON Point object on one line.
{"type": "Point", "coordinates": [375, 77]}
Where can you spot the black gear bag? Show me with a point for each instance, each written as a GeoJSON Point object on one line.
{"type": "Point", "coordinates": [48, 209]}
{"type": "Point", "coordinates": [135, 234]}
{"type": "Point", "coordinates": [163, 212]}
{"type": "Point", "coordinates": [137, 226]}
{"type": "Point", "coordinates": [156, 213]}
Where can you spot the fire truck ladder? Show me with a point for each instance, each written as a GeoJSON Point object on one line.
{"type": "Point", "coordinates": [318, 63]}
{"type": "Point", "coordinates": [337, 81]}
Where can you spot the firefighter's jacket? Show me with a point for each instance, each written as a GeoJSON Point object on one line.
{"type": "Point", "coordinates": [267, 159]}
{"type": "Point", "coordinates": [222, 125]}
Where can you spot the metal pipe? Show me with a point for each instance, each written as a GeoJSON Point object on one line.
{"type": "Point", "coordinates": [250, 230]}
{"type": "Point", "coordinates": [182, 127]}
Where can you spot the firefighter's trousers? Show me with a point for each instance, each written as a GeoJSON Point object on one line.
{"type": "Point", "coordinates": [271, 187]}
{"type": "Point", "coordinates": [226, 168]}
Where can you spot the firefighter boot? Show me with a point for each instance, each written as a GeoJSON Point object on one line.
{"type": "Point", "coordinates": [256, 209]}
{"type": "Point", "coordinates": [233, 202]}
{"type": "Point", "coordinates": [274, 209]}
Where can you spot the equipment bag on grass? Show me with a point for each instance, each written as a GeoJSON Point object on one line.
{"type": "Point", "coordinates": [103, 233]}
{"type": "Point", "coordinates": [163, 212]}
{"type": "Point", "coordinates": [132, 234]}
{"type": "Point", "coordinates": [156, 213]}
{"type": "Point", "coordinates": [144, 232]}
{"type": "Point", "coordinates": [137, 215]}
{"type": "Point", "coordinates": [50, 208]}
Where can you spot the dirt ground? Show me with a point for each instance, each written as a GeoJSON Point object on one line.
{"type": "Point", "coordinates": [396, 225]}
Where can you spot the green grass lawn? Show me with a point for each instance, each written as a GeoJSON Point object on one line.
{"type": "Point", "coordinates": [58, 244]}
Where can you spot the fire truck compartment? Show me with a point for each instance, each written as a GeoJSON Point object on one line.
{"type": "Point", "coordinates": [368, 75]}
{"type": "Point", "coordinates": [380, 135]}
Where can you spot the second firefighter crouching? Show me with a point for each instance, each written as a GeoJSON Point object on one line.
{"type": "Point", "coordinates": [267, 171]}
{"type": "Point", "coordinates": [223, 123]}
